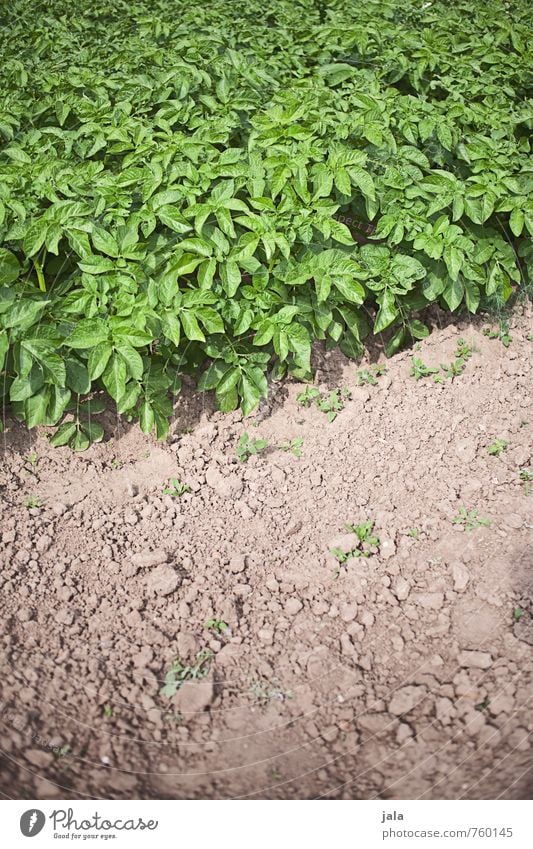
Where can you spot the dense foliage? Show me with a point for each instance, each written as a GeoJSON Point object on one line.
{"type": "Point", "coordinates": [209, 189]}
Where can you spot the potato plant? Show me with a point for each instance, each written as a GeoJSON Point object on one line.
{"type": "Point", "coordinates": [183, 190]}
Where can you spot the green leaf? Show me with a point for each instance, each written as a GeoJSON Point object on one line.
{"type": "Point", "coordinates": [35, 407]}
{"type": "Point", "coordinates": [9, 267]}
{"type": "Point", "coordinates": [228, 381]}
{"type": "Point", "coordinates": [250, 395]}
{"type": "Point", "coordinates": [98, 359]}
{"type": "Point", "coordinates": [93, 430]}
{"type": "Point", "coordinates": [114, 377]}
{"type": "Point", "coordinates": [191, 328]}
{"type": "Point", "coordinates": [133, 360]}
{"type": "Point", "coordinates": [35, 237]}
{"type": "Point", "coordinates": [4, 347]}
{"type": "Point", "coordinates": [105, 242]}
{"type": "Point", "coordinates": [453, 258]}
{"type": "Point", "coordinates": [88, 333]}
{"type": "Point", "coordinates": [63, 434]}
{"type": "Point", "coordinates": [230, 275]}
{"type": "Point", "coordinates": [77, 376]}
{"type": "Point", "coordinates": [80, 441]}
{"type": "Point", "coordinates": [146, 417]}
{"type": "Point", "coordinates": [206, 272]}
{"type": "Point", "coordinates": [350, 289]}
{"type": "Point", "coordinates": [516, 222]}
{"type": "Point", "coordinates": [453, 294]}
{"type": "Point", "coordinates": [388, 311]}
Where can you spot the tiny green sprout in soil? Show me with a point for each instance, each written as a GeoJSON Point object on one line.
{"type": "Point", "coordinates": [306, 398]}
{"type": "Point", "coordinates": [414, 533]}
{"type": "Point", "coordinates": [294, 446]}
{"type": "Point", "coordinates": [33, 502]}
{"type": "Point", "coordinates": [419, 369]}
{"type": "Point", "coordinates": [469, 519]}
{"type": "Point", "coordinates": [483, 705]}
{"type": "Point", "coordinates": [518, 612]}
{"type": "Point", "coordinates": [247, 447]}
{"type": "Point", "coordinates": [369, 376]}
{"type": "Point", "coordinates": [366, 543]}
{"type": "Point", "coordinates": [176, 489]}
{"type": "Point", "coordinates": [501, 333]}
{"type": "Point", "coordinates": [108, 711]}
{"type": "Point", "coordinates": [497, 447]}
{"type": "Point", "coordinates": [62, 752]}
{"type": "Point", "coordinates": [217, 625]}
{"type": "Point", "coordinates": [526, 477]}
{"type": "Point", "coordinates": [179, 673]}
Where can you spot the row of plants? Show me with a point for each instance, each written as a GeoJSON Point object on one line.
{"type": "Point", "coordinates": [209, 191]}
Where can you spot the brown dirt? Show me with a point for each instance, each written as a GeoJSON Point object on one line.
{"type": "Point", "coordinates": [401, 675]}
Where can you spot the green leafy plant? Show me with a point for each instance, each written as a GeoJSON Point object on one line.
{"type": "Point", "coordinates": [294, 446]}
{"type": "Point", "coordinates": [453, 369]}
{"type": "Point", "coordinates": [501, 333]}
{"type": "Point", "coordinates": [470, 519]}
{"type": "Point", "coordinates": [33, 502]}
{"type": "Point", "coordinates": [497, 447]}
{"type": "Point", "coordinates": [176, 489]}
{"type": "Point", "coordinates": [208, 191]}
{"type": "Point", "coordinates": [306, 398]}
{"type": "Point", "coordinates": [179, 673]}
{"type": "Point", "coordinates": [332, 403]}
{"type": "Point", "coordinates": [368, 376]}
{"type": "Point", "coordinates": [366, 543]}
{"type": "Point", "coordinates": [247, 447]}
{"type": "Point", "coordinates": [518, 612]}
{"type": "Point", "coordinates": [414, 533]}
{"type": "Point", "coordinates": [217, 625]}
{"type": "Point", "coordinates": [526, 476]}
{"type": "Point", "coordinates": [420, 369]}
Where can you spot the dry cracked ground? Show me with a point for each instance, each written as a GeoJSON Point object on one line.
{"type": "Point", "coordinates": [212, 645]}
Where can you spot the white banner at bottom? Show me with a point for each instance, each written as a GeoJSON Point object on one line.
{"type": "Point", "coordinates": [268, 824]}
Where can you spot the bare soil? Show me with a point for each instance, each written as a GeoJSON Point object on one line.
{"type": "Point", "coordinates": [404, 674]}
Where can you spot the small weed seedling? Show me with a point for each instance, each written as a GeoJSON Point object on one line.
{"type": "Point", "coordinates": [470, 520]}
{"type": "Point", "coordinates": [176, 489]}
{"type": "Point", "coordinates": [265, 691]}
{"type": "Point", "coordinates": [366, 545]}
{"type": "Point", "coordinates": [217, 625]}
{"type": "Point", "coordinates": [420, 369]}
{"type": "Point", "coordinates": [497, 447]}
{"type": "Point", "coordinates": [306, 398]}
{"type": "Point", "coordinates": [32, 459]}
{"type": "Point", "coordinates": [526, 476]}
{"type": "Point", "coordinates": [294, 446]}
{"type": "Point", "coordinates": [518, 612]}
{"type": "Point", "coordinates": [414, 533]}
{"type": "Point", "coordinates": [247, 447]}
{"type": "Point", "coordinates": [502, 333]}
{"type": "Point", "coordinates": [463, 351]}
{"type": "Point", "coordinates": [33, 502]}
{"type": "Point", "coordinates": [178, 673]}
{"type": "Point", "coordinates": [108, 711]}
{"type": "Point", "coordinates": [483, 705]}
{"type": "Point", "coordinates": [332, 403]}
{"type": "Point", "coordinates": [368, 376]}
{"type": "Point", "coordinates": [116, 463]}
{"type": "Point", "coordinates": [61, 752]}
{"type": "Point", "coordinates": [453, 370]}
